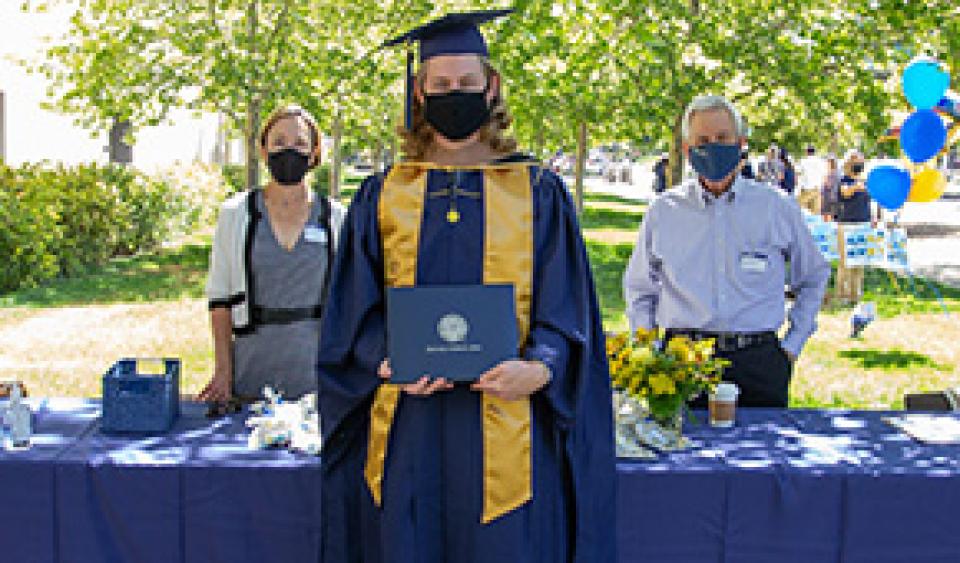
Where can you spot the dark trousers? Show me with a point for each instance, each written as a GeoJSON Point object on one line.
{"type": "Point", "coordinates": [762, 372]}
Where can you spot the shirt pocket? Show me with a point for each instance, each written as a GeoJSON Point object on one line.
{"type": "Point", "coordinates": [754, 265]}
{"type": "Point", "coordinates": [760, 269]}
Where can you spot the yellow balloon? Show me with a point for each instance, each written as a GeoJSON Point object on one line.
{"type": "Point", "coordinates": [928, 185]}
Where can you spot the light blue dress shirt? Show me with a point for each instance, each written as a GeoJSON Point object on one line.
{"type": "Point", "coordinates": [719, 264]}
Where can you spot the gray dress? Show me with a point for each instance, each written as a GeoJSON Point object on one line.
{"type": "Point", "coordinates": [282, 355]}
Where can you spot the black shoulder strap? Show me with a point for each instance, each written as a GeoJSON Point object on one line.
{"type": "Point", "coordinates": [250, 236]}
{"type": "Point", "coordinates": [325, 212]}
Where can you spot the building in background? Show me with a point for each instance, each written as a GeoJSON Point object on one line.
{"type": "Point", "coordinates": [29, 133]}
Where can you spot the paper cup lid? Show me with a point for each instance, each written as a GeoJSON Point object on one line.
{"type": "Point", "coordinates": [726, 392]}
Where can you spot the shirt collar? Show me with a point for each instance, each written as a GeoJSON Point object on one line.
{"type": "Point", "coordinates": [702, 197]}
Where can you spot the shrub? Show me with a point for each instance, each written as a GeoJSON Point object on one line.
{"type": "Point", "coordinates": [58, 221]}
{"type": "Point", "coordinates": [235, 177]}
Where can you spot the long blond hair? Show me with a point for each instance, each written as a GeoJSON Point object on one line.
{"type": "Point", "coordinates": [419, 139]}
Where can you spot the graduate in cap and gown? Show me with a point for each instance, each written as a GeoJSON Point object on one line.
{"type": "Point", "coordinates": [518, 466]}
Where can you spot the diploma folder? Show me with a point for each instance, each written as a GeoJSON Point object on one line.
{"type": "Point", "coordinates": [454, 332]}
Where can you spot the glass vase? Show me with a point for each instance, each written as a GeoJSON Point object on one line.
{"type": "Point", "coordinates": [671, 429]}
{"type": "Point", "coordinates": [628, 414]}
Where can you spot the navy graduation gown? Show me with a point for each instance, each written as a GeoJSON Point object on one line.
{"type": "Point", "coordinates": [433, 476]}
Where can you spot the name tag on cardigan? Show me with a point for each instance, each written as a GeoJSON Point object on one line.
{"type": "Point", "coordinates": [314, 234]}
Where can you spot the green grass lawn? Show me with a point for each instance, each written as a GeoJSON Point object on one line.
{"type": "Point", "coordinates": [611, 219]}
{"type": "Point", "coordinates": [900, 295]}
{"type": "Point", "coordinates": [153, 305]}
{"type": "Point", "coordinates": [161, 276]}
{"type": "Point", "coordinates": [608, 262]}
{"type": "Point", "coordinates": [595, 197]}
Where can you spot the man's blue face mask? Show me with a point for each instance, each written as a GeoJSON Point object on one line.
{"type": "Point", "coordinates": [715, 161]}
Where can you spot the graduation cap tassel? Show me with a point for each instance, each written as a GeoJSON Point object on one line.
{"type": "Point", "coordinates": [408, 97]}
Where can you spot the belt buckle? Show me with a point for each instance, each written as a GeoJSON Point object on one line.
{"type": "Point", "coordinates": [723, 342]}
{"type": "Point", "coordinates": [742, 341]}
{"type": "Point", "coordinates": [731, 341]}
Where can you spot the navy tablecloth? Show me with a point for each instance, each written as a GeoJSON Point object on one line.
{"type": "Point", "coordinates": [794, 486]}
{"type": "Point", "coordinates": [782, 486]}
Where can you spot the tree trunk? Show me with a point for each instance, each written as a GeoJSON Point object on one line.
{"type": "Point", "coordinates": [220, 145]}
{"type": "Point", "coordinates": [252, 143]}
{"type": "Point", "coordinates": [581, 163]}
{"type": "Point", "coordinates": [378, 158]}
{"type": "Point", "coordinates": [3, 127]}
{"type": "Point", "coordinates": [118, 151]}
{"type": "Point", "coordinates": [336, 157]}
{"type": "Point", "coordinates": [227, 146]}
{"type": "Point", "coordinates": [253, 104]}
{"type": "Point", "coordinates": [675, 170]}
{"type": "Point", "coordinates": [539, 143]}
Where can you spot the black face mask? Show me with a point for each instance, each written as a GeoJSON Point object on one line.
{"type": "Point", "coordinates": [288, 166]}
{"type": "Point", "coordinates": [857, 168]}
{"type": "Point", "coordinates": [457, 115]}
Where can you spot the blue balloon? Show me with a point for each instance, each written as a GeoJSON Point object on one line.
{"type": "Point", "coordinates": [889, 186]}
{"type": "Point", "coordinates": [950, 104]}
{"type": "Point", "coordinates": [924, 83]}
{"type": "Point", "coordinates": [922, 135]}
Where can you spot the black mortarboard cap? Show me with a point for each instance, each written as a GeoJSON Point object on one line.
{"type": "Point", "coordinates": [453, 34]}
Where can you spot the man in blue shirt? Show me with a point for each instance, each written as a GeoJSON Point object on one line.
{"type": "Point", "coordinates": [711, 261]}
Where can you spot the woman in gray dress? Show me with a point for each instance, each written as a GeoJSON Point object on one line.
{"type": "Point", "coordinates": [269, 270]}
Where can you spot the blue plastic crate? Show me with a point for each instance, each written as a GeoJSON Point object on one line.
{"type": "Point", "coordinates": [140, 401]}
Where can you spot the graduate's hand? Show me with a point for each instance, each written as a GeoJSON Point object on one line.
{"type": "Point", "coordinates": [421, 388]}
{"type": "Point", "coordinates": [425, 386]}
{"type": "Point", "coordinates": [514, 379]}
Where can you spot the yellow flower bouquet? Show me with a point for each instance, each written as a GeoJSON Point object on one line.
{"type": "Point", "coordinates": [663, 375]}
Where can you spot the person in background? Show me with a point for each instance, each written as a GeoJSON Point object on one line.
{"type": "Point", "coordinates": [788, 182]}
{"type": "Point", "coordinates": [854, 204]}
{"type": "Point", "coordinates": [746, 168]}
{"type": "Point", "coordinates": [829, 191]}
{"type": "Point", "coordinates": [771, 167]}
{"type": "Point", "coordinates": [269, 264]}
{"type": "Point", "coordinates": [810, 181]}
{"type": "Point", "coordinates": [711, 261]}
{"type": "Point", "coordinates": [660, 174]}
{"type": "Point", "coordinates": [854, 201]}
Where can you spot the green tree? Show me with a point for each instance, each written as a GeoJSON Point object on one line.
{"type": "Point", "coordinates": [577, 71]}
{"type": "Point", "coordinates": [136, 60]}
{"type": "Point", "coordinates": [802, 70]}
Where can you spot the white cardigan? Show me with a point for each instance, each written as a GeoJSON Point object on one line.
{"type": "Point", "coordinates": [227, 278]}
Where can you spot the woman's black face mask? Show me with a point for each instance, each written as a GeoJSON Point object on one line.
{"type": "Point", "coordinates": [457, 115]}
{"type": "Point", "coordinates": [288, 166]}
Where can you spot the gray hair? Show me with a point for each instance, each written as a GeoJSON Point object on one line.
{"type": "Point", "coordinates": [710, 103]}
{"type": "Point", "coordinates": [853, 153]}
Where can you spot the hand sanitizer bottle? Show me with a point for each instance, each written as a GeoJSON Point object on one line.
{"type": "Point", "coordinates": [17, 419]}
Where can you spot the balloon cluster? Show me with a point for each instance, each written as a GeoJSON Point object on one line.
{"type": "Point", "coordinates": [922, 137]}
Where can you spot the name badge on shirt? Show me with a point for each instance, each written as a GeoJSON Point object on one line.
{"type": "Point", "coordinates": [753, 262]}
{"type": "Point", "coordinates": [314, 234]}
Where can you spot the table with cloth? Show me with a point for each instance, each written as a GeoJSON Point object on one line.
{"type": "Point", "coordinates": [781, 486]}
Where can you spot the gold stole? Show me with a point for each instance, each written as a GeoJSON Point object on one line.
{"type": "Point", "coordinates": [508, 259]}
